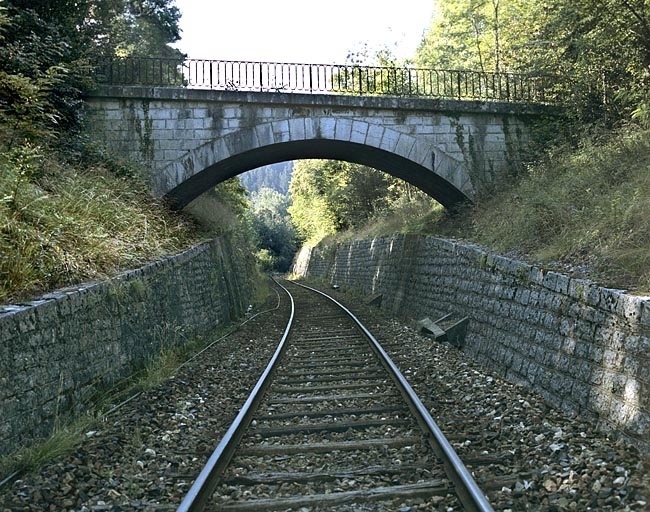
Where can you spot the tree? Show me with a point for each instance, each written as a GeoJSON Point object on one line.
{"type": "Point", "coordinates": [309, 210]}
{"type": "Point", "coordinates": [604, 45]}
{"type": "Point", "coordinates": [49, 47]}
{"type": "Point", "coordinates": [41, 77]}
{"type": "Point", "coordinates": [135, 28]}
{"type": "Point", "coordinates": [480, 35]}
{"type": "Point", "coordinates": [596, 51]}
{"type": "Point", "coordinates": [330, 196]}
{"type": "Point", "coordinates": [277, 238]}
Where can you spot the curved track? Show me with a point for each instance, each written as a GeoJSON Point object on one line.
{"type": "Point", "coordinates": [332, 425]}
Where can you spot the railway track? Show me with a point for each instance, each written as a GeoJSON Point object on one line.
{"type": "Point", "coordinates": [332, 425]}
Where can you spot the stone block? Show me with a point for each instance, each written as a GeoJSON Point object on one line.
{"type": "Point", "coordinates": [281, 131]}
{"type": "Point", "coordinates": [326, 128]}
{"type": "Point", "coordinates": [432, 328]}
{"type": "Point", "coordinates": [86, 330]}
{"type": "Point", "coordinates": [609, 299]}
{"type": "Point", "coordinates": [645, 314]}
{"type": "Point", "coordinates": [389, 140]}
{"type": "Point", "coordinates": [297, 129]}
{"type": "Point", "coordinates": [405, 144]}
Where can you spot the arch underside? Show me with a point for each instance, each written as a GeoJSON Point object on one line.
{"type": "Point", "coordinates": [415, 174]}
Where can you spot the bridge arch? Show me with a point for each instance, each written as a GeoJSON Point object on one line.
{"type": "Point", "coordinates": [394, 152]}
{"type": "Point", "coordinates": [190, 139]}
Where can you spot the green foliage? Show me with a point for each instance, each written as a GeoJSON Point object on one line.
{"type": "Point", "coordinates": [48, 50]}
{"type": "Point", "coordinates": [409, 212]}
{"type": "Point", "coordinates": [340, 200]}
{"type": "Point", "coordinates": [276, 236]}
{"type": "Point", "coordinates": [330, 196]}
{"type": "Point", "coordinates": [481, 35]}
{"type": "Point", "coordinates": [234, 195]}
{"type": "Point", "coordinates": [596, 51]}
{"type": "Point", "coordinates": [605, 46]}
{"type": "Point", "coordinates": [266, 261]}
{"type": "Point", "coordinates": [136, 28]}
{"type": "Point", "coordinates": [40, 79]}
{"type": "Point", "coordinates": [310, 210]}
{"type": "Point", "coordinates": [61, 225]}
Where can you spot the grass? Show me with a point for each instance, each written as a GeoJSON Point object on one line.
{"type": "Point", "coordinates": [585, 208]}
{"type": "Point", "coordinates": [418, 215]}
{"type": "Point", "coordinates": [61, 225]}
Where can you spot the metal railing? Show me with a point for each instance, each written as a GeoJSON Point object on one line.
{"type": "Point", "coordinates": [323, 79]}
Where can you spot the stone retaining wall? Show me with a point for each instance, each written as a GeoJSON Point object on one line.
{"type": "Point", "coordinates": [583, 347]}
{"type": "Point", "coordinates": [58, 352]}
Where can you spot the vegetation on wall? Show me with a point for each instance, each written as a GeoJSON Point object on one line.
{"type": "Point", "coordinates": [68, 213]}
{"type": "Point", "coordinates": [62, 224]}
{"type": "Point", "coordinates": [584, 211]}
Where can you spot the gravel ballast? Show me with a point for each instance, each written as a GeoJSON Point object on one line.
{"type": "Point", "coordinates": [525, 454]}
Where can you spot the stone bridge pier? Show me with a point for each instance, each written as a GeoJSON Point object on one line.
{"type": "Point", "coordinates": [190, 139]}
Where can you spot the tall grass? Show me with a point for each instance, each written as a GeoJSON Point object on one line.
{"type": "Point", "coordinates": [418, 214]}
{"type": "Point", "coordinates": [589, 207]}
{"type": "Point", "coordinates": [60, 225]}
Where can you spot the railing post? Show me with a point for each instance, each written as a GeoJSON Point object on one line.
{"type": "Point", "coordinates": [311, 88]}
{"type": "Point", "coordinates": [360, 79]}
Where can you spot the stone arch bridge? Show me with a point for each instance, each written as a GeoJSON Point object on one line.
{"type": "Point", "coordinates": [192, 139]}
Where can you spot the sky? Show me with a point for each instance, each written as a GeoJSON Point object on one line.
{"type": "Point", "coordinates": [300, 31]}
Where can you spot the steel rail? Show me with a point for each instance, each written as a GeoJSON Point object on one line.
{"type": "Point", "coordinates": [205, 484]}
{"type": "Point", "coordinates": [467, 490]}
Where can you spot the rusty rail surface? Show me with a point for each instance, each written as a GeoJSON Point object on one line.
{"type": "Point", "coordinates": [324, 79]}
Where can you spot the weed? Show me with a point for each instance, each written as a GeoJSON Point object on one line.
{"type": "Point", "coordinates": [586, 207]}
{"type": "Point", "coordinates": [70, 431]}
{"type": "Point", "coordinates": [60, 225]}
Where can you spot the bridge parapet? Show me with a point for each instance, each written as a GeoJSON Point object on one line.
{"type": "Point", "coordinates": [348, 79]}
